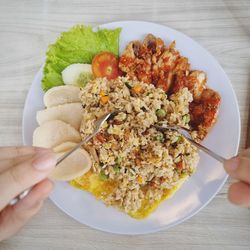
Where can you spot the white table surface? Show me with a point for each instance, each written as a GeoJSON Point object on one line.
{"type": "Point", "coordinates": [26, 29]}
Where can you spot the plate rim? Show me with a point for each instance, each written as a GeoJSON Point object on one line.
{"type": "Point", "coordinates": [195, 211]}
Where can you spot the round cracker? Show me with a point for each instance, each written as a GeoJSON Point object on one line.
{"type": "Point", "coordinates": [64, 147]}
{"type": "Point", "coordinates": [70, 113]}
{"type": "Point", "coordinates": [75, 165]}
{"type": "Point", "coordinates": [53, 133]}
{"type": "Point", "coordinates": [60, 95]}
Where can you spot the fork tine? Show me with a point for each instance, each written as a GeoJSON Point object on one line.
{"type": "Point", "coordinates": [186, 134]}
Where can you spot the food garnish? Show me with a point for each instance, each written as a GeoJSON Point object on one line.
{"type": "Point", "coordinates": [77, 74]}
{"type": "Point", "coordinates": [105, 64]}
{"type": "Point", "coordinates": [78, 45]}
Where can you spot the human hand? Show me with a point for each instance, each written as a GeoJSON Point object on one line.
{"type": "Point", "coordinates": [239, 168]}
{"type": "Point", "coordinates": [22, 168]}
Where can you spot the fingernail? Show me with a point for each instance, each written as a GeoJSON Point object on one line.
{"type": "Point", "coordinates": [44, 160]}
{"type": "Point", "coordinates": [232, 164]}
{"type": "Point", "coordinates": [47, 188]}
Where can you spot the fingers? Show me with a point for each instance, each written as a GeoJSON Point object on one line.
{"type": "Point", "coordinates": [12, 152]}
{"type": "Point", "coordinates": [14, 217]}
{"type": "Point", "coordinates": [24, 175]}
{"type": "Point", "coordinates": [239, 168]}
{"type": "Point", "coordinates": [239, 194]}
{"type": "Point", "coordinates": [8, 163]}
{"type": "Point", "coordinates": [38, 193]}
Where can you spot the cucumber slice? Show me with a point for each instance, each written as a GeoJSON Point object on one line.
{"type": "Point", "coordinates": [77, 74]}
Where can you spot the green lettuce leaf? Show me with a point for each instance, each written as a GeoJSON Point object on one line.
{"type": "Point", "coordinates": [79, 45]}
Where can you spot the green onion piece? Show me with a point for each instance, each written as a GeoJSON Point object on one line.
{"type": "Point", "coordinates": [128, 85]}
{"type": "Point", "coordinates": [161, 113]}
{"type": "Point", "coordinates": [118, 160]}
{"type": "Point", "coordinates": [103, 176]}
{"type": "Point", "coordinates": [179, 139]}
{"type": "Point", "coordinates": [183, 175]}
{"type": "Point", "coordinates": [159, 137]}
{"type": "Point", "coordinates": [176, 139]}
{"type": "Point", "coordinates": [116, 168]}
{"type": "Point", "coordinates": [186, 119]}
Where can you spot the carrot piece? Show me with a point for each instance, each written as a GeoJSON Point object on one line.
{"type": "Point", "coordinates": [102, 93]}
{"type": "Point", "coordinates": [140, 179]}
{"type": "Point", "coordinates": [100, 137]}
{"type": "Point", "coordinates": [104, 99]}
{"type": "Point", "coordinates": [137, 89]}
{"type": "Point", "coordinates": [180, 165]}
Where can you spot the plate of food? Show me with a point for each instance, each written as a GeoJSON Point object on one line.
{"type": "Point", "coordinates": [132, 178]}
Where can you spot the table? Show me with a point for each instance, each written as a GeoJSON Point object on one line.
{"type": "Point", "coordinates": [26, 29]}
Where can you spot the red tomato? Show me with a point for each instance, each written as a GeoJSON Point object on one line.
{"type": "Point", "coordinates": [105, 64]}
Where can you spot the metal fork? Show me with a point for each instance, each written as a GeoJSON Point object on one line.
{"type": "Point", "coordinates": [97, 126]}
{"type": "Point", "coordinates": [186, 133]}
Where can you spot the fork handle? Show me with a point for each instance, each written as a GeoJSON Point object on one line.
{"type": "Point", "coordinates": [19, 197]}
{"type": "Point", "coordinates": [206, 150]}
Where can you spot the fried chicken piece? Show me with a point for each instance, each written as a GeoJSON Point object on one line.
{"type": "Point", "coordinates": [127, 62]}
{"type": "Point", "coordinates": [151, 62]}
{"type": "Point", "coordinates": [155, 46]}
{"type": "Point", "coordinates": [136, 62]}
{"type": "Point", "coordinates": [204, 112]}
{"type": "Point", "coordinates": [195, 82]}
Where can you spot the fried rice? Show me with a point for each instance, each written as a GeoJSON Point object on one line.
{"type": "Point", "coordinates": [141, 162]}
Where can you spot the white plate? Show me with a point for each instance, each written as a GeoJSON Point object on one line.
{"type": "Point", "coordinates": [198, 190]}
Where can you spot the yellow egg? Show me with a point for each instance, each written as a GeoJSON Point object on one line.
{"type": "Point", "coordinates": [92, 183]}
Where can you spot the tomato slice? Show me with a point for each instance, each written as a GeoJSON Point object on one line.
{"type": "Point", "coordinates": [105, 64]}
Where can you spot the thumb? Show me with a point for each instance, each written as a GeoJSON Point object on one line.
{"type": "Point", "coordinates": [239, 168]}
